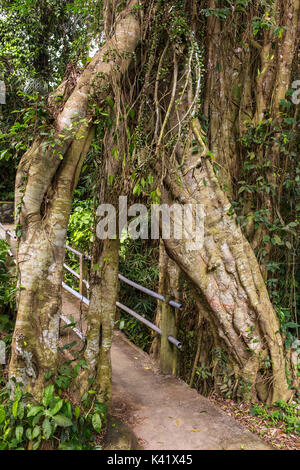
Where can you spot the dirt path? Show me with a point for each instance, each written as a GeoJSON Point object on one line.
{"type": "Point", "coordinates": [163, 412]}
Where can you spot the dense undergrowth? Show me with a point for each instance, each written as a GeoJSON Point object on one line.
{"type": "Point", "coordinates": [55, 422]}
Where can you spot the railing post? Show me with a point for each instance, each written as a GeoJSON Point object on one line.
{"type": "Point", "coordinates": [168, 352]}
{"type": "Point", "coordinates": [83, 275]}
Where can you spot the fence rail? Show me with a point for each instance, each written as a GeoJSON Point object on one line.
{"type": "Point", "coordinates": [83, 257]}
{"type": "Point", "coordinates": [84, 284]}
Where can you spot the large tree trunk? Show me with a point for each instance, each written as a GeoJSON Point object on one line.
{"type": "Point", "coordinates": [229, 282]}
{"type": "Point", "coordinates": [225, 272]}
{"type": "Point", "coordinates": [40, 258]}
{"type": "Point", "coordinates": [104, 286]}
{"type": "Point", "coordinates": [45, 181]}
{"type": "Point", "coordinates": [247, 78]}
{"type": "Point", "coordinates": [101, 321]}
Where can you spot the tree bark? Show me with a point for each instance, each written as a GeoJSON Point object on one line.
{"type": "Point", "coordinates": [45, 181]}
{"type": "Point", "coordinates": [101, 321]}
{"type": "Point", "coordinates": [228, 278]}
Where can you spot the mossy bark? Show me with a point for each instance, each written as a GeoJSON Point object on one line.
{"type": "Point", "coordinates": [101, 321]}
{"type": "Point", "coordinates": [45, 181]}
{"type": "Point", "coordinates": [227, 276]}
{"type": "Point", "coordinates": [40, 258]}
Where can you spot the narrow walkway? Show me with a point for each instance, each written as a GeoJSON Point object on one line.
{"type": "Point", "coordinates": [163, 412]}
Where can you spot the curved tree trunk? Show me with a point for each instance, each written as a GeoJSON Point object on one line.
{"type": "Point", "coordinates": [46, 178]}
{"type": "Point", "coordinates": [40, 258]}
{"type": "Point", "coordinates": [229, 281]}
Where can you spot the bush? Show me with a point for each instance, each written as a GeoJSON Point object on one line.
{"type": "Point", "coordinates": [281, 412]}
{"type": "Point", "coordinates": [55, 420]}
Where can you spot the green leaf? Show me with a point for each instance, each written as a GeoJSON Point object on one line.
{"type": "Point", "coordinates": [19, 433]}
{"type": "Point", "coordinates": [48, 375]}
{"type": "Point", "coordinates": [115, 153]}
{"type": "Point", "coordinates": [276, 240]}
{"type": "Point", "coordinates": [77, 412]}
{"type": "Point", "coordinates": [62, 421]}
{"type": "Point", "coordinates": [15, 409]}
{"type": "Point", "coordinates": [37, 418]}
{"type": "Point", "coordinates": [2, 414]}
{"type": "Point", "coordinates": [109, 101]}
{"type": "Point", "coordinates": [18, 395]}
{"type": "Point", "coordinates": [137, 189]}
{"type": "Point", "coordinates": [96, 422]}
{"type": "Point", "coordinates": [29, 434]}
{"type": "Point", "coordinates": [34, 410]}
{"type": "Point", "coordinates": [150, 179]}
{"type": "Point", "coordinates": [21, 411]}
{"type": "Point", "coordinates": [36, 445]}
{"type": "Point", "coordinates": [56, 407]}
{"type": "Point", "coordinates": [67, 410]}
{"type": "Point", "coordinates": [48, 395]}
{"type": "Point", "coordinates": [47, 429]}
{"type": "Point", "coordinates": [36, 432]}
{"type": "Point", "coordinates": [6, 434]}
{"type": "Point", "coordinates": [291, 324]}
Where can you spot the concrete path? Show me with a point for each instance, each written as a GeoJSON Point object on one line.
{"type": "Point", "coordinates": [164, 412]}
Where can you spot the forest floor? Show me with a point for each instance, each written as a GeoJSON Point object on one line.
{"type": "Point", "coordinates": [273, 434]}
{"type": "Point", "coordinates": [163, 411]}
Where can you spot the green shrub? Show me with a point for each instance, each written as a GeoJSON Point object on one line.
{"type": "Point", "coordinates": [281, 412]}
{"type": "Point", "coordinates": [55, 420]}
{"type": "Point", "coordinates": [138, 262]}
{"type": "Point", "coordinates": [7, 287]}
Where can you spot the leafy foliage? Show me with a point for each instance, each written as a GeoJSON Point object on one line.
{"type": "Point", "coordinates": [80, 230]}
{"type": "Point", "coordinates": [55, 420]}
{"type": "Point", "coordinates": [7, 299]}
{"type": "Point", "coordinates": [288, 413]}
{"type": "Point", "coordinates": [138, 262]}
